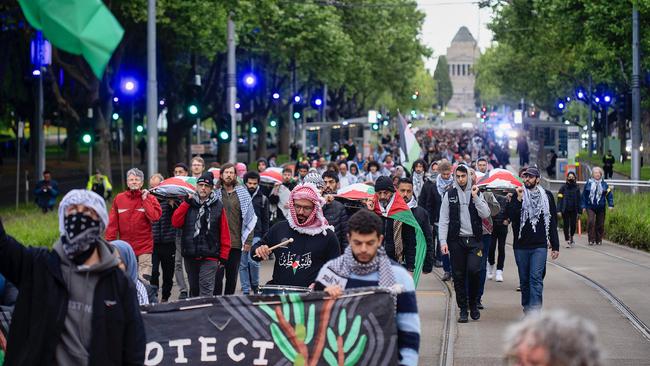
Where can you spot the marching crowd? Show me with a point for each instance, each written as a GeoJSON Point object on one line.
{"type": "Point", "coordinates": [429, 214]}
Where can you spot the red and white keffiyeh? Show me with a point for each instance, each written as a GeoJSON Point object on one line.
{"type": "Point", "coordinates": [316, 223]}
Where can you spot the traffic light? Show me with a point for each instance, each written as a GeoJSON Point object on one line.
{"type": "Point", "coordinates": [375, 126]}
{"type": "Point", "coordinates": [87, 138]}
{"type": "Point", "coordinates": [415, 95]}
{"type": "Point", "coordinates": [483, 110]}
{"type": "Point", "coordinates": [193, 109]}
{"type": "Point", "coordinates": [254, 128]}
{"type": "Point", "coordinates": [139, 128]}
{"type": "Point", "coordinates": [273, 121]}
{"type": "Point", "coordinates": [116, 116]}
{"type": "Point", "coordinates": [223, 126]}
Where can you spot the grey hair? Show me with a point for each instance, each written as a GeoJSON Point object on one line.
{"type": "Point", "coordinates": [137, 172]}
{"type": "Point", "coordinates": [157, 175]}
{"type": "Point", "coordinates": [569, 340]}
{"type": "Point", "coordinates": [597, 168]}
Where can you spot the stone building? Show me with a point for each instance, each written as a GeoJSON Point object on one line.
{"type": "Point", "coordinates": [461, 57]}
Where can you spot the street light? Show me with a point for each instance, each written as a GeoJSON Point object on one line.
{"type": "Point", "coordinates": [250, 80]}
{"type": "Point", "coordinates": [318, 102]}
{"type": "Point", "coordinates": [276, 96]}
{"type": "Point", "coordinates": [237, 105]}
{"type": "Point", "coordinates": [129, 86]}
{"type": "Point", "coordinates": [297, 99]}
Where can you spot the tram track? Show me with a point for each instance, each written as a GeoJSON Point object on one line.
{"type": "Point", "coordinates": [449, 327]}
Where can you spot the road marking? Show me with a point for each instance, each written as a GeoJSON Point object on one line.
{"type": "Point", "coordinates": [431, 293]}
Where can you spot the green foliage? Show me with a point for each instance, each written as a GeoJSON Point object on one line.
{"type": "Point", "coordinates": [30, 226]}
{"type": "Point", "coordinates": [441, 76]}
{"type": "Point", "coordinates": [629, 222]}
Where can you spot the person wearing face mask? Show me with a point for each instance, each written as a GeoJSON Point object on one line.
{"type": "Point", "coordinates": [249, 270]}
{"type": "Point", "coordinates": [75, 306]}
{"type": "Point", "coordinates": [314, 242]}
{"type": "Point", "coordinates": [568, 206]}
{"type": "Point", "coordinates": [205, 238]}
{"type": "Point", "coordinates": [333, 210]}
{"type": "Point", "coordinates": [132, 214]}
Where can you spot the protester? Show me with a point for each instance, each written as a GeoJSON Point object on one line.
{"type": "Point", "coordinates": [249, 270]}
{"type": "Point", "coordinates": [262, 164]}
{"type": "Point", "coordinates": [198, 166]}
{"type": "Point", "coordinates": [345, 178]}
{"type": "Point", "coordinates": [608, 164]}
{"type": "Point", "coordinates": [498, 240]}
{"type": "Point", "coordinates": [488, 227]}
{"type": "Point", "coordinates": [206, 239]}
{"type": "Point", "coordinates": [240, 214]}
{"type": "Point", "coordinates": [443, 182]}
{"type": "Point", "coordinates": [164, 243]}
{"type": "Point", "coordinates": [129, 265]}
{"type": "Point", "coordinates": [553, 339]}
{"type": "Point", "coordinates": [180, 170]}
{"type": "Point", "coordinates": [568, 205]}
{"type": "Point", "coordinates": [461, 212]}
{"type": "Point", "coordinates": [302, 170]}
{"type": "Point", "coordinates": [131, 217]}
{"type": "Point", "coordinates": [535, 213]}
{"type": "Point", "coordinates": [595, 197]}
{"type": "Point", "coordinates": [46, 191]}
{"type": "Point", "coordinates": [364, 264]}
{"type": "Point", "coordinates": [550, 169]}
{"type": "Point", "coordinates": [279, 196]}
{"type": "Point", "coordinates": [314, 242]}
{"type": "Point", "coordinates": [334, 211]}
{"type": "Point", "coordinates": [61, 315]}
{"type": "Point", "coordinates": [405, 189]}
{"type": "Point", "coordinates": [100, 184]}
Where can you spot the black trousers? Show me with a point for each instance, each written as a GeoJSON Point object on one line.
{"type": "Point", "coordinates": [466, 256]}
{"type": "Point", "coordinates": [164, 255]}
{"type": "Point", "coordinates": [570, 220]}
{"type": "Point", "coordinates": [499, 233]}
{"type": "Point", "coordinates": [231, 271]}
{"type": "Point", "coordinates": [609, 171]}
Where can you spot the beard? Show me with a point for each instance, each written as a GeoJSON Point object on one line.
{"type": "Point", "coordinates": [229, 182]}
{"type": "Point", "coordinates": [529, 185]}
{"type": "Point", "coordinates": [301, 218]}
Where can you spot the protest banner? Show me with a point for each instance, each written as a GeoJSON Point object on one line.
{"type": "Point", "coordinates": [296, 329]}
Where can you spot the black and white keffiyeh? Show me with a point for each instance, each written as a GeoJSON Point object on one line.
{"type": "Point", "coordinates": [418, 183]}
{"type": "Point", "coordinates": [595, 190]}
{"type": "Point", "coordinates": [346, 265]}
{"type": "Point", "coordinates": [442, 184]}
{"type": "Point", "coordinates": [534, 204]}
{"type": "Point", "coordinates": [203, 218]}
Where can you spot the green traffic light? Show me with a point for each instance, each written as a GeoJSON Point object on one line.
{"type": "Point", "coordinates": [414, 97]}
{"type": "Point", "coordinates": [224, 135]}
{"type": "Point", "coordinates": [116, 116]}
{"type": "Point", "coordinates": [193, 109]}
{"type": "Point", "coordinates": [273, 123]}
{"type": "Point", "coordinates": [375, 127]}
{"type": "Point", "coordinates": [86, 138]}
{"type": "Point", "coordinates": [139, 128]}
{"type": "Point", "coordinates": [254, 130]}
{"type": "Point", "coordinates": [296, 115]}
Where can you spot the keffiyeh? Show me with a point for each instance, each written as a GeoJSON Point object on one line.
{"type": "Point", "coordinates": [316, 223]}
{"type": "Point", "coordinates": [203, 218]}
{"type": "Point", "coordinates": [595, 190]}
{"type": "Point", "coordinates": [346, 265]}
{"type": "Point", "coordinates": [442, 184]}
{"type": "Point", "coordinates": [534, 204]}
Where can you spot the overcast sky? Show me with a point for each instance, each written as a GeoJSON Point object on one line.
{"type": "Point", "coordinates": [445, 17]}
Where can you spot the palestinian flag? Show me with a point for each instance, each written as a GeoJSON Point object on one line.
{"type": "Point", "coordinates": [357, 191]}
{"type": "Point", "coordinates": [499, 179]}
{"type": "Point", "coordinates": [409, 147]}
{"type": "Point", "coordinates": [175, 187]}
{"type": "Point", "coordinates": [5, 319]}
{"type": "Point", "coordinates": [271, 175]}
{"type": "Point", "coordinates": [398, 210]}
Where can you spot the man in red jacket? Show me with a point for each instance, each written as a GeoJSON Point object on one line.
{"type": "Point", "coordinates": [131, 217]}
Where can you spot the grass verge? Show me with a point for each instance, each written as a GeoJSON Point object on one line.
{"type": "Point", "coordinates": [620, 168]}
{"type": "Point", "coordinates": [30, 226]}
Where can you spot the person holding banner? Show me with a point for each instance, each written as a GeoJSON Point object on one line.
{"type": "Point", "coordinates": [314, 243]}
{"type": "Point", "coordinates": [365, 264]}
{"type": "Point", "coordinates": [205, 238]}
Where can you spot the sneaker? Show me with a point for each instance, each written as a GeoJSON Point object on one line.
{"type": "Point", "coordinates": [462, 317]}
{"type": "Point", "coordinates": [568, 244]}
{"type": "Point", "coordinates": [438, 264]}
{"type": "Point", "coordinates": [475, 313]}
{"type": "Point", "coordinates": [446, 276]}
{"type": "Point", "coordinates": [499, 275]}
{"type": "Point", "coordinates": [591, 243]}
{"type": "Point", "coordinates": [480, 306]}
{"type": "Point", "coordinates": [599, 243]}
{"type": "Point", "coordinates": [518, 289]}
{"type": "Point", "coordinates": [490, 271]}
{"type": "Point", "coordinates": [182, 295]}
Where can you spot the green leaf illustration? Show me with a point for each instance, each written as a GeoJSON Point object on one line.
{"type": "Point", "coordinates": [331, 340]}
{"type": "Point", "coordinates": [298, 308]}
{"type": "Point", "coordinates": [299, 361]}
{"type": "Point", "coordinates": [330, 358]}
{"type": "Point", "coordinates": [343, 322]}
{"type": "Point", "coordinates": [357, 352]}
{"type": "Point", "coordinates": [283, 343]}
{"type": "Point", "coordinates": [286, 309]}
{"type": "Point", "coordinates": [267, 309]}
{"type": "Point", "coordinates": [300, 332]}
{"type": "Point", "coordinates": [311, 323]}
{"type": "Point", "coordinates": [353, 335]}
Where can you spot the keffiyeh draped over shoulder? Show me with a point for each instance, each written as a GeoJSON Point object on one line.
{"type": "Point", "coordinates": [534, 204]}
{"type": "Point", "coordinates": [249, 219]}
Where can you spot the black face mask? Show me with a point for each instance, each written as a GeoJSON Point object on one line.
{"type": "Point", "coordinates": [571, 181]}
{"type": "Point", "coordinates": [81, 236]}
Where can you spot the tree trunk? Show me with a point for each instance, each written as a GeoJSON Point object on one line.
{"type": "Point", "coordinates": [283, 137]}
{"type": "Point", "coordinates": [176, 142]}
{"type": "Point", "coordinates": [261, 138]}
{"type": "Point", "coordinates": [72, 141]}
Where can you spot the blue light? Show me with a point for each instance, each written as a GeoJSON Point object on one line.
{"type": "Point", "coordinates": [607, 98]}
{"type": "Point", "coordinates": [36, 72]}
{"type": "Point", "coordinates": [237, 105]}
{"type": "Point", "coordinates": [276, 96]}
{"type": "Point", "coordinates": [318, 102]}
{"type": "Point", "coordinates": [116, 99]}
{"type": "Point", "coordinates": [597, 99]}
{"type": "Point", "coordinates": [560, 105]}
{"type": "Point", "coordinates": [297, 99]}
{"type": "Point", "coordinates": [250, 80]}
{"type": "Point", "coordinates": [129, 85]}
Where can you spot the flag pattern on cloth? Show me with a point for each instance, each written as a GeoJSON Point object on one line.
{"type": "Point", "coordinates": [5, 319]}
{"type": "Point", "coordinates": [175, 187]}
{"type": "Point", "coordinates": [500, 179]}
{"type": "Point", "coordinates": [398, 210]}
{"type": "Point", "coordinates": [357, 191]}
{"type": "Point", "coordinates": [408, 145]}
{"type": "Point", "coordinates": [271, 175]}
{"type": "Point", "coordinates": [80, 27]}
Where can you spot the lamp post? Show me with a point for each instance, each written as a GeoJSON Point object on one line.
{"type": "Point", "coordinates": [129, 86]}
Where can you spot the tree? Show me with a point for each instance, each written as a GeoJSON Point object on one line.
{"type": "Point", "coordinates": [444, 88]}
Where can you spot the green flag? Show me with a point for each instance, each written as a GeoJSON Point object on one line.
{"type": "Point", "coordinates": [80, 27]}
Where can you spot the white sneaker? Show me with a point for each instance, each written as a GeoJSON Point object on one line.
{"type": "Point", "coordinates": [490, 271]}
{"type": "Point", "coordinates": [499, 275]}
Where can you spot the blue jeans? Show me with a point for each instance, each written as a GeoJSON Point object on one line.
{"type": "Point", "coordinates": [531, 264]}
{"type": "Point", "coordinates": [249, 272]}
{"type": "Point", "coordinates": [487, 242]}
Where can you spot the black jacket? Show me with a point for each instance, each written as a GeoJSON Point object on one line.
{"type": "Point", "coordinates": [38, 319]}
{"type": "Point", "coordinates": [430, 201]}
{"type": "Point", "coordinates": [163, 231]}
{"type": "Point", "coordinates": [337, 216]}
{"type": "Point", "coordinates": [422, 218]}
{"type": "Point", "coordinates": [408, 242]}
{"type": "Point", "coordinates": [530, 239]}
{"type": "Point", "coordinates": [568, 198]}
{"type": "Point", "coordinates": [503, 212]}
{"type": "Point", "coordinates": [261, 206]}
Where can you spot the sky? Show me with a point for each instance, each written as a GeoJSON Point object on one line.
{"type": "Point", "coordinates": [445, 17]}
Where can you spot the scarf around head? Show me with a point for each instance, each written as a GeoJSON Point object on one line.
{"type": "Point", "coordinates": [346, 265]}
{"type": "Point", "coordinates": [595, 190]}
{"type": "Point", "coordinates": [442, 184]}
{"type": "Point", "coordinates": [534, 204]}
{"type": "Point", "coordinates": [316, 223]}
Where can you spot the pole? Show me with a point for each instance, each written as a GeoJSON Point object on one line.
{"type": "Point", "coordinates": [636, 100]}
{"type": "Point", "coordinates": [119, 139]}
{"type": "Point", "coordinates": [39, 125]}
{"type": "Point", "coordinates": [231, 95]}
{"type": "Point", "coordinates": [250, 135]}
{"type": "Point", "coordinates": [21, 126]}
{"type": "Point", "coordinates": [90, 160]}
{"type": "Point", "coordinates": [132, 134]}
{"type": "Point", "coordinates": [152, 91]}
{"type": "Point", "coordinates": [590, 143]}
{"type": "Point", "coordinates": [606, 136]}
{"type": "Point", "coordinates": [324, 106]}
